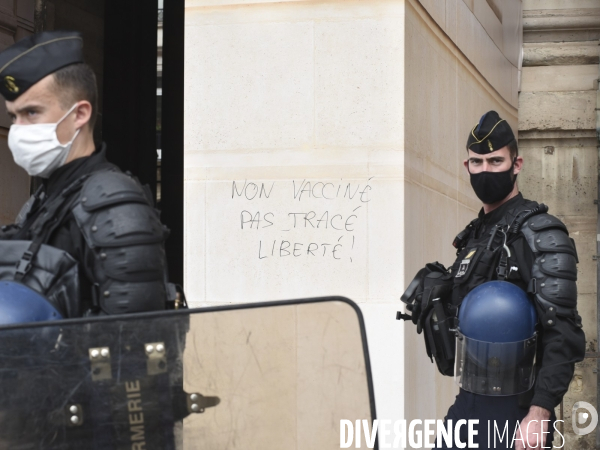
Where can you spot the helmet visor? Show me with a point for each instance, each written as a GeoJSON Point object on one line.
{"type": "Point", "coordinates": [494, 368]}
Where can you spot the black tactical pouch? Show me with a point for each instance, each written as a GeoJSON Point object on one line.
{"type": "Point", "coordinates": [440, 338]}
{"type": "Point", "coordinates": [428, 298]}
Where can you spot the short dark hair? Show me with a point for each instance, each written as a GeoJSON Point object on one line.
{"type": "Point", "coordinates": [74, 83]}
{"type": "Point", "coordinates": [513, 148]}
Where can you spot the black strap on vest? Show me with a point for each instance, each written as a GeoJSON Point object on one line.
{"type": "Point", "coordinates": [55, 213]}
{"type": "Point", "coordinates": [522, 216]}
{"type": "Point", "coordinates": [52, 218]}
{"type": "Point", "coordinates": [512, 233]}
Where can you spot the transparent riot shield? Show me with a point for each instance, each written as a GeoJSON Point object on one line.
{"type": "Point", "coordinates": [278, 375]}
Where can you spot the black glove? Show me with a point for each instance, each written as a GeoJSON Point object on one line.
{"type": "Point", "coordinates": [433, 281]}
{"type": "Point", "coordinates": [415, 309]}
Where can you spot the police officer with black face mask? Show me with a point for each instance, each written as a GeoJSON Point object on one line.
{"type": "Point", "coordinates": [89, 240]}
{"type": "Point", "coordinates": [512, 240]}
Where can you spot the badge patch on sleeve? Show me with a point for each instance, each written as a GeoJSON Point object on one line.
{"type": "Point", "coordinates": [464, 264]}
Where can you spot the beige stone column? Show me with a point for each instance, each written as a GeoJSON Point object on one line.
{"type": "Point", "coordinates": [294, 160]}
{"type": "Point", "coordinates": [323, 156]}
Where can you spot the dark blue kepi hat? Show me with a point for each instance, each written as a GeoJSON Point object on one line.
{"type": "Point", "coordinates": [31, 59]}
{"type": "Point", "coordinates": [489, 134]}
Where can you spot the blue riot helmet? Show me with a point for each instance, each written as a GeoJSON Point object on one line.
{"type": "Point", "coordinates": [21, 304]}
{"type": "Point", "coordinates": [496, 340]}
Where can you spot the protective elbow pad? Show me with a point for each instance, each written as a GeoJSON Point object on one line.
{"type": "Point", "coordinates": [133, 279]}
{"type": "Point", "coordinates": [126, 236]}
{"type": "Point", "coordinates": [554, 272]}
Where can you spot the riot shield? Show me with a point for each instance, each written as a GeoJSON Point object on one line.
{"type": "Point", "coordinates": [277, 375]}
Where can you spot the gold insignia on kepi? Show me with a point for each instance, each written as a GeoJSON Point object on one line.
{"type": "Point", "coordinates": [491, 133]}
{"type": "Point", "coordinates": [9, 82]}
{"type": "Point", "coordinates": [30, 59]}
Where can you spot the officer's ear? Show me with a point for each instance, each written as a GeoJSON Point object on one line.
{"type": "Point", "coordinates": [83, 113]}
{"type": "Point", "coordinates": [518, 165]}
{"type": "Point", "coordinates": [466, 162]}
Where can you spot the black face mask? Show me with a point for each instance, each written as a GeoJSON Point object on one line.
{"type": "Point", "coordinates": [491, 187]}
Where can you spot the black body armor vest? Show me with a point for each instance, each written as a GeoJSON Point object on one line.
{"type": "Point", "coordinates": [491, 255]}
{"type": "Point", "coordinates": [526, 247]}
{"type": "Point", "coordinates": [122, 260]}
{"type": "Point", "coordinates": [48, 270]}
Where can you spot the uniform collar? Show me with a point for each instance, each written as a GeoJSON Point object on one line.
{"type": "Point", "coordinates": [65, 175]}
{"type": "Point", "coordinates": [498, 213]}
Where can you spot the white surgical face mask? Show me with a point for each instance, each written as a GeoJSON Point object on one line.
{"type": "Point", "coordinates": [36, 147]}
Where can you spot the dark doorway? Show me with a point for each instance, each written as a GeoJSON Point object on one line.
{"type": "Point", "coordinates": [120, 43]}
{"type": "Point", "coordinates": [129, 107]}
{"type": "Point", "coordinates": [172, 132]}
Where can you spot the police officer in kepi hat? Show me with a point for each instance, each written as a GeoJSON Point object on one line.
{"type": "Point", "coordinates": [513, 240]}
{"type": "Point", "coordinates": [89, 240]}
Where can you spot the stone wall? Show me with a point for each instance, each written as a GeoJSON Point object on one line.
{"type": "Point", "coordinates": [343, 126]}
{"type": "Point", "coordinates": [307, 98]}
{"type": "Point", "coordinates": [557, 138]}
